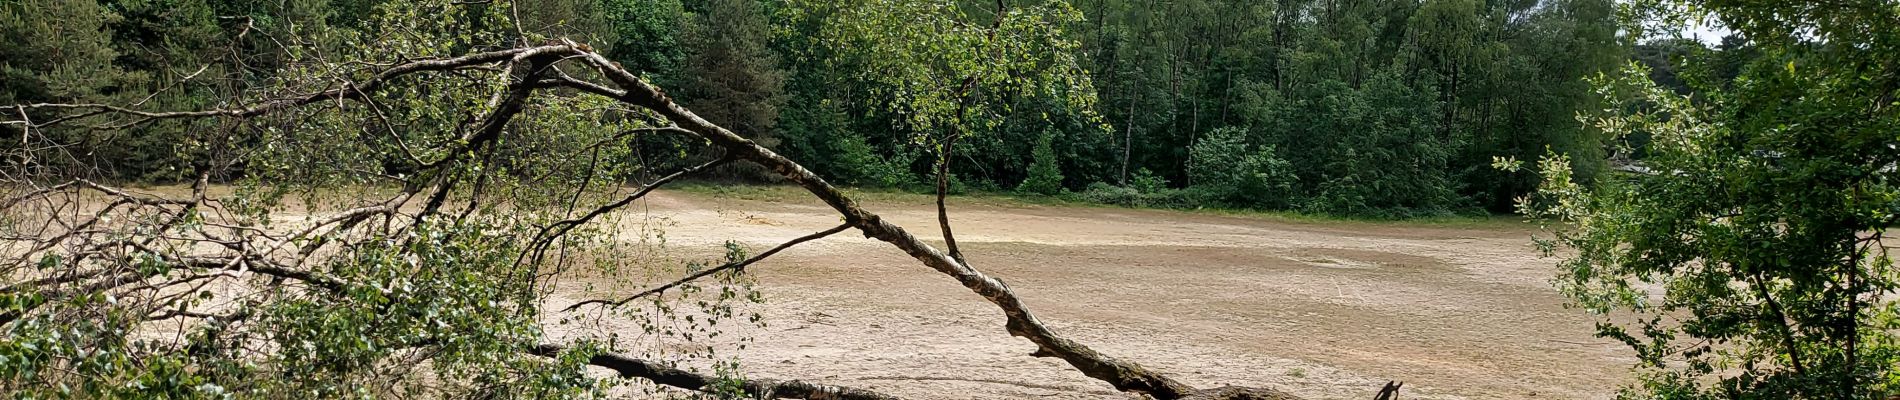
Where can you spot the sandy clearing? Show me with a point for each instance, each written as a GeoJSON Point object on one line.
{"type": "Point", "coordinates": [1325, 310]}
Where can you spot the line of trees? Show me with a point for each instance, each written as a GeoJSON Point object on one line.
{"type": "Point", "coordinates": [1345, 107]}
{"type": "Point", "coordinates": [1361, 107]}
{"type": "Point", "coordinates": [1355, 107]}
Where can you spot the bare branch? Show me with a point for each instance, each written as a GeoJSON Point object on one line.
{"type": "Point", "coordinates": [708, 272]}
{"type": "Point", "coordinates": [555, 230]}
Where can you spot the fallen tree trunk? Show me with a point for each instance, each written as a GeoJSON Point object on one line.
{"type": "Point", "coordinates": [629, 367]}
{"type": "Point", "coordinates": [1240, 393]}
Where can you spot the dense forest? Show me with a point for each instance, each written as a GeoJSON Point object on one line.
{"type": "Point", "coordinates": [1353, 107]}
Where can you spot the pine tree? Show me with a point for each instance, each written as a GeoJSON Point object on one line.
{"type": "Point", "coordinates": [731, 76]}
{"type": "Point", "coordinates": [1045, 172]}
{"type": "Point", "coordinates": [730, 73]}
{"type": "Point", "coordinates": [56, 51]}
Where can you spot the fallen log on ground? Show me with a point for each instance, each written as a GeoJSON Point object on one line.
{"type": "Point", "coordinates": [629, 367]}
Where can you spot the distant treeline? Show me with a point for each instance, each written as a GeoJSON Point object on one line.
{"type": "Point", "coordinates": [1358, 107]}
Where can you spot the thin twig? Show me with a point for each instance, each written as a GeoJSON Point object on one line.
{"type": "Point", "coordinates": [714, 270]}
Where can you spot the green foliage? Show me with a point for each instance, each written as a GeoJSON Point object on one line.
{"type": "Point", "coordinates": [1380, 108]}
{"type": "Point", "coordinates": [1045, 173]}
{"type": "Point", "coordinates": [56, 50]}
{"type": "Point", "coordinates": [944, 77]}
{"type": "Point", "coordinates": [428, 310]}
{"type": "Point", "coordinates": [731, 77]}
{"type": "Point", "coordinates": [645, 37]}
{"type": "Point", "coordinates": [1145, 189]}
{"type": "Point", "coordinates": [1231, 173]}
{"type": "Point", "coordinates": [1387, 156]}
{"type": "Point", "coordinates": [1375, 108]}
{"type": "Point", "coordinates": [455, 289]}
{"type": "Point", "coordinates": [1103, 193]}
{"type": "Point", "coordinates": [65, 51]}
{"type": "Point", "coordinates": [870, 92]}
{"type": "Point", "coordinates": [1217, 158]}
{"type": "Point", "coordinates": [821, 133]}
{"type": "Point", "coordinates": [1744, 259]}
{"type": "Point", "coordinates": [448, 295]}
{"type": "Point", "coordinates": [1147, 182]}
{"type": "Point", "coordinates": [918, 55]}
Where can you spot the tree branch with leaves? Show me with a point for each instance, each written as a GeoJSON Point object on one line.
{"type": "Point", "coordinates": [369, 292]}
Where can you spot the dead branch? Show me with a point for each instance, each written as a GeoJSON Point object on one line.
{"type": "Point", "coordinates": [709, 271]}
{"type": "Point", "coordinates": [663, 374]}
{"type": "Point", "coordinates": [552, 232]}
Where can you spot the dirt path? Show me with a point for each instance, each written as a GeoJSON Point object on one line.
{"type": "Point", "coordinates": [1329, 311]}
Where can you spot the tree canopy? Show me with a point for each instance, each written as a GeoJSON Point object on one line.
{"type": "Point", "coordinates": [1376, 108]}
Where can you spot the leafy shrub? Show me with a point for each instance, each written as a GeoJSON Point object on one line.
{"type": "Point", "coordinates": [1129, 196]}
{"type": "Point", "coordinates": [1226, 171]}
{"type": "Point", "coordinates": [1104, 193]}
{"type": "Point", "coordinates": [1269, 179]}
{"type": "Point", "coordinates": [858, 163]}
{"type": "Point", "coordinates": [1146, 181]}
